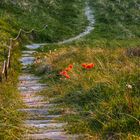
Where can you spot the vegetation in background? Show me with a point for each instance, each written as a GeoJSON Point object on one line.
{"type": "Point", "coordinates": [117, 19]}
{"type": "Point", "coordinates": [64, 19]}
{"type": "Point", "coordinates": [116, 24]}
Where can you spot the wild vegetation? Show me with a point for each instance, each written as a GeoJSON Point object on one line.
{"type": "Point", "coordinates": [117, 24]}
{"type": "Point", "coordinates": [101, 102]}
{"type": "Point", "coordinates": [117, 19]}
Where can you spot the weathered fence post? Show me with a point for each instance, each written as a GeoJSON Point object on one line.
{"type": "Point", "coordinates": [0, 77]}
{"type": "Point", "coordinates": [6, 72]}
{"type": "Point", "coordinates": [3, 70]}
{"type": "Point", "coordinates": [7, 59]}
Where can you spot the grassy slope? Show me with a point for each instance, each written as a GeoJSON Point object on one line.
{"type": "Point", "coordinates": [103, 104]}
{"type": "Point", "coordinates": [36, 15]}
{"type": "Point", "coordinates": [29, 15]}
{"type": "Point", "coordinates": [117, 24]}
{"type": "Point", "coordinates": [105, 107]}
{"type": "Point", "coordinates": [117, 20]}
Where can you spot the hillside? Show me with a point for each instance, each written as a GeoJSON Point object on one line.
{"type": "Point", "coordinates": [90, 65]}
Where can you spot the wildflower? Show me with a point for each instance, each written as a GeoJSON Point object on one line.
{"type": "Point", "coordinates": [67, 76]}
{"type": "Point", "coordinates": [88, 66]}
{"type": "Point", "coordinates": [92, 65]}
{"type": "Point", "coordinates": [129, 86]}
{"type": "Point", "coordinates": [70, 66]}
{"type": "Point", "coordinates": [67, 69]}
{"type": "Point", "coordinates": [63, 73]}
{"type": "Point", "coordinates": [84, 65]}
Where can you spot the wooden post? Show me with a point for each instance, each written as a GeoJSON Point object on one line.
{"type": "Point", "coordinates": [8, 60]}
{"type": "Point", "coordinates": [3, 69]}
{"type": "Point", "coordinates": [6, 72]}
{"type": "Point", "coordinates": [0, 77]}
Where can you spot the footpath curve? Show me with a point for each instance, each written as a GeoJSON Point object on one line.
{"type": "Point", "coordinates": [91, 21]}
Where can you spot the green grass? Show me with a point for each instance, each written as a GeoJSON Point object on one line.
{"type": "Point", "coordinates": [117, 20]}
{"type": "Point", "coordinates": [116, 24]}
{"type": "Point", "coordinates": [64, 19]}
{"type": "Point", "coordinates": [104, 106]}
{"type": "Point", "coordinates": [10, 118]}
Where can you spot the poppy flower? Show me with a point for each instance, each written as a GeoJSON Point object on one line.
{"type": "Point", "coordinates": [84, 65]}
{"type": "Point", "coordinates": [88, 66]}
{"type": "Point", "coordinates": [67, 76]}
{"type": "Point", "coordinates": [92, 65]}
{"type": "Point", "coordinates": [68, 69]}
{"type": "Point", "coordinates": [63, 73]}
{"type": "Point", "coordinates": [70, 66]}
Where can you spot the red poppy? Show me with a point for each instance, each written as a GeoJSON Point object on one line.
{"type": "Point", "coordinates": [67, 76]}
{"type": "Point", "coordinates": [84, 65]}
{"type": "Point", "coordinates": [63, 73]}
{"type": "Point", "coordinates": [88, 66]}
{"type": "Point", "coordinates": [92, 65]}
{"type": "Point", "coordinates": [67, 69]}
{"type": "Point", "coordinates": [70, 66]}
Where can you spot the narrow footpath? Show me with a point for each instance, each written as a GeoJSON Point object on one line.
{"type": "Point", "coordinates": [40, 122]}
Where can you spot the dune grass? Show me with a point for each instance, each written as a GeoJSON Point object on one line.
{"type": "Point", "coordinates": [116, 24]}
{"type": "Point", "coordinates": [117, 19]}
{"type": "Point", "coordinates": [105, 99]}
{"type": "Point", "coordinates": [102, 102]}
